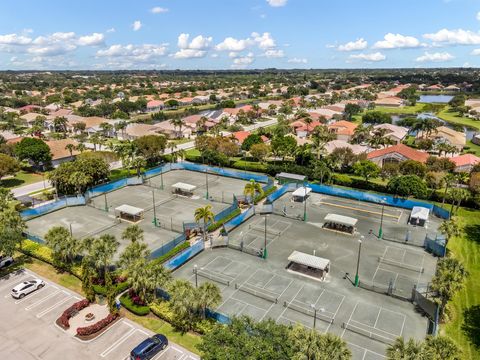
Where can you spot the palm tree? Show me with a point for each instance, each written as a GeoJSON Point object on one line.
{"type": "Point", "coordinates": [402, 350]}
{"type": "Point", "coordinates": [181, 154]}
{"type": "Point", "coordinates": [252, 188]}
{"type": "Point", "coordinates": [178, 123]}
{"type": "Point", "coordinates": [102, 250]}
{"type": "Point", "coordinates": [448, 180]}
{"type": "Point", "coordinates": [458, 195]}
{"type": "Point", "coordinates": [441, 348]}
{"type": "Point", "coordinates": [138, 163]}
{"type": "Point", "coordinates": [205, 215]}
{"type": "Point", "coordinates": [70, 147]}
{"type": "Point", "coordinates": [81, 181]}
{"type": "Point", "coordinates": [362, 133]}
{"type": "Point", "coordinates": [132, 254]}
{"type": "Point", "coordinates": [106, 129]}
{"type": "Point", "coordinates": [88, 272]}
{"type": "Point", "coordinates": [133, 233]}
{"type": "Point", "coordinates": [208, 296]}
{"type": "Point", "coordinates": [81, 147]}
{"type": "Point", "coordinates": [320, 137]}
{"type": "Point", "coordinates": [121, 125]}
{"type": "Point", "coordinates": [450, 228]}
{"type": "Point", "coordinates": [96, 140]}
{"type": "Point", "coordinates": [64, 246]}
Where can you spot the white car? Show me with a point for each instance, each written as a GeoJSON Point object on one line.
{"type": "Point", "coordinates": [27, 287]}
{"type": "Point", "coordinates": [5, 261]}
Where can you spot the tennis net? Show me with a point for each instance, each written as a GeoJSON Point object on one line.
{"type": "Point", "coordinates": [259, 292]}
{"type": "Point", "coordinates": [212, 276]}
{"type": "Point", "coordinates": [302, 308]}
{"type": "Point", "coordinates": [401, 264]}
{"type": "Point", "coordinates": [361, 331]}
{"type": "Point", "coordinates": [261, 228]}
{"type": "Point", "coordinates": [158, 203]}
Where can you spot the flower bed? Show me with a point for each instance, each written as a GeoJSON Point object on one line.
{"type": "Point", "coordinates": [64, 319]}
{"type": "Point", "coordinates": [88, 332]}
{"type": "Point", "coordinates": [133, 303]}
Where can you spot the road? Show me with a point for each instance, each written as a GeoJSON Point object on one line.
{"type": "Point", "coordinates": [31, 188]}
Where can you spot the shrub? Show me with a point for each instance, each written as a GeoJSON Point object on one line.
{"type": "Point", "coordinates": [342, 179]}
{"type": "Point", "coordinates": [92, 329]}
{"type": "Point", "coordinates": [223, 220]}
{"type": "Point", "coordinates": [173, 252]}
{"type": "Point", "coordinates": [249, 166]}
{"type": "Point", "coordinates": [129, 304]}
{"type": "Point", "coordinates": [264, 195]}
{"type": "Point", "coordinates": [118, 288]}
{"type": "Point", "coordinates": [63, 320]}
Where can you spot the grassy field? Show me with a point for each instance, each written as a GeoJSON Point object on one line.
{"type": "Point", "coordinates": [465, 325]}
{"type": "Point", "coordinates": [22, 178]}
{"type": "Point", "coordinates": [452, 117]}
{"type": "Point", "coordinates": [401, 110]}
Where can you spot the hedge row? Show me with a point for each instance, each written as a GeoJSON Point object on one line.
{"type": "Point", "coordinates": [127, 302]}
{"type": "Point", "coordinates": [223, 220]}
{"type": "Point", "coordinates": [98, 326]}
{"type": "Point", "coordinates": [265, 194]}
{"type": "Point", "coordinates": [172, 253]}
{"type": "Point", "coordinates": [119, 288]}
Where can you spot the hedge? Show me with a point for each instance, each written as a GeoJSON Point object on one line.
{"type": "Point", "coordinates": [223, 220]}
{"type": "Point", "coordinates": [249, 166]}
{"type": "Point", "coordinates": [64, 319]}
{"type": "Point", "coordinates": [173, 252]}
{"type": "Point", "coordinates": [163, 311]}
{"type": "Point", "coordinates": [119, 288]}
{"type": "Point", "coordinates": [100, 325]}
{"type": "Point", "coordinates": [264, 195]}
{"type": "Point", "coordinates": [127, 302]}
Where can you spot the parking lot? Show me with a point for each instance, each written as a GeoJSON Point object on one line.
{"type": "Point", "coordinates": [28, 329]}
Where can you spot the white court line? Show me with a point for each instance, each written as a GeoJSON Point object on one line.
{"type": "Point", "coordinates": [419, 273]}
{"type": "Point", "coordinates": [42, 300]}
{"type": "Point", "coordinates": [349, 319]}
{"type": "Point", "coordinates": [339, 306]}
{"type": "Point", "coordinates": [117, 343]}
{"type": "Point", "coordinates": [268, 282]}
{"type": "Point", "coordinates": [267, 311]}
{"type": "Point", "coordinates": [246, 304]}
{"type": "Point", "coordinates": [233, 278]}
{"type": "Point", "coordinates": [365, 350]}
{"type": "Point", "coordinates": [47, 286]}
{"type": "Point", "coordinates": [394, 336]}
{"type": "Point", "coordinates": [376, 320]}
{"type": "Point", "coordinates": [286, 307]}
{"type": "Point", "coordinates": [237, 290]}
{"type": "Point", "coordinates": [403, 257]}
{"type": "Point", "coordinates": [46, 311]}
{"type": "Point", "coordinates": [283, 292]}
{"type": "Point", "coordinates": [403, 324]}
{"type": "Point", "coordinates": [225, 267]}
{"type": "Point", "coordinates": [378, 266]}
{"type": "Point", "coordinates": [318, 298]}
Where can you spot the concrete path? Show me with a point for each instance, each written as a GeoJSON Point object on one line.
{"type": "Point", "coordinates": [30, 188]}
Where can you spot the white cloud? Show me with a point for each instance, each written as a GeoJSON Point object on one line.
{"type": "Point", "coordinates": [137, 25]}
{"type": "Point", "coordinates": [272, 53]}
{"type": "Point", "coordinates": [14, 39]}
{"type": "Point", "coordinates": [214, 55]}
{"type": "Point", "coordinates": [189, 54]}
{"type": "Point", "coordinates": [232, 54]}
{"type": "Point", "coordinates": [395, 41]}
{"type": "Point", "coordinates": [478, 16]}
{"type": "Point", "coordinates": [232, 44]}
{"type": "Point", "coordinates": [158, 10]}
{"type": "Point", "coordinates": [111, 30]}
{"type": "Point", "coordinates": [358, 44]}
{"type": "Point", "coordinates": [277, 3]}
{"type": "Point", "coordinates": [199, 42]}
{"type": "Point", "coordinates": [297, 60]}
{"type": "Point", "coordinates": [435, 57]}
{"type": "Point", "coordinates": [243, 62]}
{"type": "Point", "coordinates": [454, 37]}
{"type": "Point", "coordinates": [475, 52]}
{"type": "Point", "coordinates": [139, 53]}
{"type": "Point", "coordinates": [378, 56]}
{"type": "Point", "coordinates": [264, 41]}
{"type": "Point", "coordinates": [94, 39]}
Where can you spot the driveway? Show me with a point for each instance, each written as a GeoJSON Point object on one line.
{"type": "Point", "coordinates": [28, 330]}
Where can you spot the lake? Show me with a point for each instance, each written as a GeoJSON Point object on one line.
{"type": "Point", "coordinates": [429, 99]}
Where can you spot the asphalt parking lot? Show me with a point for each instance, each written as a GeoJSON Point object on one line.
{"type": "Point", "coordinates": [28, 329]}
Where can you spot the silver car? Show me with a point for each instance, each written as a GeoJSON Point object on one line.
{"type": "Point", "coordinates": [27, 287]}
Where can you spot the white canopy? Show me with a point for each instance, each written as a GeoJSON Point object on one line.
{"type": "Point", "coordinates": [130, 210]}
{"type": "Point", "coordinates": [340, 219]}
{"type": "Point", "coordinates": [184, 187]}
{"type": "Point", "coordinates": [419, 212]}
{"type": "Point", "coordinates": [312, 261]}
{"type": "Point", "coordinates": [302, 191]}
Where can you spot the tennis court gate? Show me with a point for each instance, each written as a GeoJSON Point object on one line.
{"type": "Point", "coordinates": [428, 307]}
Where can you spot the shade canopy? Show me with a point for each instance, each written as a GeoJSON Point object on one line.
{"type": "Point", "coordinates": [130, 210]}
{"type": "Point", "coordinates": [419, 212]}
{"type": "Point", "coordinates": [340, 219]}
{"type": "Point", "coordinates": [302, 191]}
{"type": "Point", "coordinates": [312, 261]}
{"type": "Point", "coordinates": [184, 187]}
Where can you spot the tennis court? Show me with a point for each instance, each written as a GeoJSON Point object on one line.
{"type": "Point", "coordinates": [220, 188]}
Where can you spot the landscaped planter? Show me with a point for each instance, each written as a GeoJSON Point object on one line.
{"type": "Point", "coordinates": [63, 320]}
{"type": "Point", "coordinates": [94, 330]}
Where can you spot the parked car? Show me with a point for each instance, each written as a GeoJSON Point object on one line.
{"type": "Point", "coordinates": [150, 347]}
{"type": "Point", "coordinates": [27, 287]}
{"type": "Point", "coordinates": [5, 261]}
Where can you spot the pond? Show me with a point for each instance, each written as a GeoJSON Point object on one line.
{"type": "Point", "coordinates": [429, 99]}
{"type": "Point", "coordinates": [469, 132]}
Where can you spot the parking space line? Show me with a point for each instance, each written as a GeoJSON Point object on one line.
{"type": "Point", "coordinates": [47, 310]}
{"type": "Point", "coordinates": [36, 293]}
{"type": "Point", "coordinates": [117, 343]}
{"type": "Point", "coordinates": [170, 347]}
{"type": "Point", "coordinates": [35, 304]}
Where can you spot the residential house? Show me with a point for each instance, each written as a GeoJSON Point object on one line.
{"type": "Point", "coordinates": [465, 162]}
{"type": "Point", "coordinates": [343, 129]}
{"type": "Point", "coordinates": [136, 130]}
{"type": "Point", "coordinates": [169, 130]}
{"type": "Point", "coordinates": [29, 108]}
{"type": "Point", "coordinates": [339, 144]}
{"type": "Point", "coordinates": [452, 88]}
{"type": "Point", "coordinates": [395, 154]}
{"type": "Point", "coordinates": [240, 137]}
{"type": "Point", "coordinates": [60, 153]}
{"type": "Point", "coordinates": [436, 87]}
{"type": "Point", "coordinates": [392, 101]}
{"type": "Point", "coordinates": [155, 105]}
{"type": "Point", "coordinates": [444, 134]}
{"type": "Point", "coordinates": [393, 132]}
{"type": "Point", "coordinates": [10, 136]}
{"type": "Point", "coordinates": [303, 129]}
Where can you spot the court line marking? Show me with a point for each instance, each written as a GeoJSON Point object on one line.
{"type": "Point", "coordinates": [350, 318]}
{"type": "Point", "coordinates": [248, 304]}
{"type": "Point", "coordinates": [339, 306]}
{"type": "Point", "coordinates": [286, 307]}
{"type": "Point", "coordinates": [237, 290]}
{"type": "Point", "coordinates": [365, 350]}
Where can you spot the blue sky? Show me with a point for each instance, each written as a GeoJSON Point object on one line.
{"type": "Point", "coordinates": [226, 34]}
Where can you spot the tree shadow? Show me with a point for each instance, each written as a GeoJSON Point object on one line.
{"type": "Point", "coordinates": [471, 324]}
{"type": "Point", "coordinates": [9, 183]}
{"type": "Point", "coordinates": [472, 232]}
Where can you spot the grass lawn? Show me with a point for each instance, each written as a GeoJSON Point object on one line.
{"type": "Point", "coordinates": [180, 141]}
{"type": "Point", "coordinates": [188, 340]}
{"type": "Point", "coordinates": [473, 148]}
{"type": "Point", "coordinates": [401, 110]}
{"type": "Point", "coordinates": [452, 117]}
{"type": "Point", "coordinates": [466, 305]}
{"type": "Point", "coordinates": [22, 178]}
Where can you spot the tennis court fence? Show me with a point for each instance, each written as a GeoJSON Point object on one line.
{"type": "Point", "coordinates": [258, 292]}
{"type": "Point", "coordinates": [305, 309]}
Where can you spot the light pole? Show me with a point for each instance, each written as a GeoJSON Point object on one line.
{"type": "Point", "coordinates": [106, 202]}
{"type": "Point", "coordinates": [357, 280]}
{"type": "Point", "coordinates": [305, 205]}
{"type": "Point", "coordinates": [195, 267]}
{"type": "Point", "coordinates": [206, 182]}
{"type": "Point", "coordinates": [314, 315]}
{"type": "Point", "coordinates": [161, 178]}
{"type": "Point", "coordinates": [265, 239]}
{"type": "Point", "coordinates": [154, 209]}
{"type": "Point", "coordinates": [71, 231]}
{"type": "Point", "coordinates": [380, 230]}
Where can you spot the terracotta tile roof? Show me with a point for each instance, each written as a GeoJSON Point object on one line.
{"type": "Point", "coordinates": [343, 127]}
{"type": "Point", "coordinates": [154, 103]}
{"type": "Point", "coordinates": [57, 148]}
{"type": "Point", "coordinates": [465, 159]}
{"type": "Point", "coordinates": [240, 136]}
{"type": "Point", "coordinates": [401, 149]}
